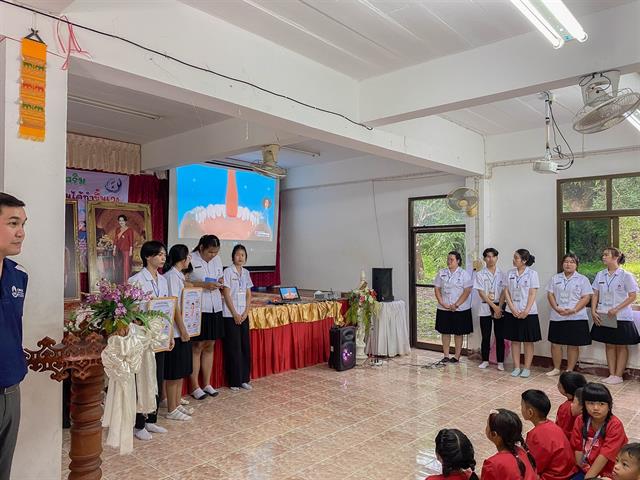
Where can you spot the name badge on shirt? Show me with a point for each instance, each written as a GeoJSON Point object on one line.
{"type": "Point", "coordinates": [517, 296]}
{"type": "Point", "coordinates": [241, 299]}
{"type": "Point", "coordinates": [607, 299]}
{"type": "Point", "coordinates": [564, 297]}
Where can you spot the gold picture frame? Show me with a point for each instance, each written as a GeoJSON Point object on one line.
{"type": "Point", "coordinates": [71, 253]}
{"type": "Point", "coordinates": [113, 254]}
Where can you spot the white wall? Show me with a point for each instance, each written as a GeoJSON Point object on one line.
{"type": "Point", "coordinates": [329, 233]}
{"type": "Point", "coordinates": [521, 213]}
{"type": "Point", "coordinates": [35, 173]}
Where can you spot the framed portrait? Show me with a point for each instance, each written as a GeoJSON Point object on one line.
{"type": "Point", "coordinates": [166, 305]}
{"type": "Point", "coordinates": [71, 254]}
{"type": "Point", "coordinates": [191, 308]}
{"type": "Point", "coordinates": [115, 233]}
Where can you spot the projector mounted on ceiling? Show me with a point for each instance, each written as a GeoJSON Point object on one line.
{"type": "Point", "coordinates": [269, 165]}
{"type": "Point", "coordinates": [546, 164]}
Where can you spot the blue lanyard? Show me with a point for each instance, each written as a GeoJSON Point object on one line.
{"type": "Point", "coordinates": [585, 455]}
{"type": "Point", "coordinates": [566, 282]}
{"type": "Point", "coordinates": [492, 279]}
{"type": "Point", "coordinates": [610, 281]}
{"type": "Point", "coordinates": [156, 288]}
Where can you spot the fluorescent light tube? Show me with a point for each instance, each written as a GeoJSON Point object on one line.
{"type": "Point", "coordinates": [566, 19]}
{"type": "Point", "coordinates": [112, 108]}
{"type": "Point", "coordinates": [534, 16]}
{"type": "Point", "coordinates": [634, 119]}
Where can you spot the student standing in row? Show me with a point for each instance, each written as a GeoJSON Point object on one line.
{"type": "Point", "coordinates": [453, 317]}
{"type": "Point", "coordinates": [568, 293]}
{"type": "Point", "coordinates": [179, 361]}
{"type": "Point", "coordinates": [614, 290]}
{"type": "Point", "coordinates": [207, 274]}
{"type": "Point", "coordinates": [521, 317]}
{"type": "Point", "coordinates": [490, 283]}
{"type": "Point", "coordinates": [153, 254]}
{"type": "Point", "coordinates": [237, 303]}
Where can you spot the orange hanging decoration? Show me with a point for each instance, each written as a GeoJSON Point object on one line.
{"type": "Point", "coordinates": [33, 86]}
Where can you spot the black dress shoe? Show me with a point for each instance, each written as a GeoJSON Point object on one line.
{"type": "Point", "coordinates": [453, 360]}
{"type": "Point", "coordinates": [445, 360]}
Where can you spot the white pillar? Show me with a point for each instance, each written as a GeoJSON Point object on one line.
{"type": "Point", "coordinates": [35, 173]}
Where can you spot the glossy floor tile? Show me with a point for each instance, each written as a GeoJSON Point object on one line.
{"type": "Point", "coordinates": [368, 423]}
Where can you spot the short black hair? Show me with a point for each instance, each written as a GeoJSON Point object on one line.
{"type": "Point", "coordinates": [571, 381]}
{"type": "Point", "coordinates": [123, 216]}
{"type": "Point", "coordinates": [489, 250]}
{"type": "Point", "coordinates": [151, 249]}
{"type": "Point", "coordinates": [207, 241]}
{"type": "Point", "coordinates": [457, 255]}
{"type": "Point", "coordinates": [633, 450]}
{"type": "Point", "coordinates": [537, 400]}
{"type": "Point", "coordinates": [572, 256]}
{"type": "Point", "coordinates": [178, 253]}
{"type": "Point", "coordinates": [239, 247]}
{"type": "Point", "coordinates": [7, 200]}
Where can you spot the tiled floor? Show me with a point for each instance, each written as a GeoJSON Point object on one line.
{"type": "Point", "coordinates": [368, 423]}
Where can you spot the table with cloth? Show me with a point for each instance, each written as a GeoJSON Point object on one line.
{"type": "Point", "coordinates": [389, 332]}
{"type": "Point", "coordinates": [284, 337]}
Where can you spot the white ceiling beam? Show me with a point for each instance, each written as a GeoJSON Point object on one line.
{"type": "Point", "coordinates": [211, 142]}
{"type": "Point", "coordinates": [518, 66]}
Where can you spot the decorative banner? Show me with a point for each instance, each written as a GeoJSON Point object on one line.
{"type": "Point", "coordinates": [33, 83]}
{"type": "Point", "coordinates": [192, 310]}
{"type": "Point", "coordinates": [83, 186]}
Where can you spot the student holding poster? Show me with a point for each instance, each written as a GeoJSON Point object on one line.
{"type": "Point", "coordinates": [178, 362]}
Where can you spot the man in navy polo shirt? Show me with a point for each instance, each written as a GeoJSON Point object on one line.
{"type": "Point", "coordinates": [13, 366]}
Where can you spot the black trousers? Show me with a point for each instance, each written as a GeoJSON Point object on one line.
{"type": "Point", "coordinates": [141, 419]}
{"type": "Point", "coordinates": [237, 352]}
{"type": "Point", "coordinates": [498, 331]}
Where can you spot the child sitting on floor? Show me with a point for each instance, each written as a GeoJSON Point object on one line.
{"type": "Point", "coordinates": [568, 383]}
{"type": "Point", "coordinates": [455, 452]}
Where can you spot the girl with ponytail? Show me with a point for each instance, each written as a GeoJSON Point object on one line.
{"type": "Point", "coordinates": [513, 460]}
{"type": "Point", "coordinates": [455, 452]}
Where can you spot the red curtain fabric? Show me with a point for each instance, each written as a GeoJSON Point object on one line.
{"type": "Point", "coordinates": [276, 350]}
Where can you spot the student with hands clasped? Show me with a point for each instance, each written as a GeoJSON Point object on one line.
{"type": "Point", "coordinates": [521, 315]}
{"type": "Point", "coordinates": [237, 303]}
{"type": "Point", "coordinates": [614, 290]}
{"type": "Point", "coordinates": [568, 293]}
{"type": "Point", "coordinates": [453, 316]}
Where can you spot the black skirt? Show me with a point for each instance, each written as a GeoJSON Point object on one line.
{"type": "Point", "coordinates": [522, 329]}
{"type": "Point", "coordinates": [212, 327]}
{"type": "Point", "coordinates": [454, 323]}
{"type": "Point", "coordinates": [625, 334]}
{"type": "Point", "coordinates": [178, 363]}
{"type": "Point", "coordinates": [569, 332]}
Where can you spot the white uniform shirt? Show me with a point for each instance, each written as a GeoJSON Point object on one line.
{"type": "Point", "coordinates": [211, 299]}
{"type": "Point", "coordinates": [175, 282]}
{"type": "Point", "coordinates": [238, 283]}
{"type": "Point", "coordinates": [613, 290]}
{"type": "Point", "coordinates": [568, 292]}
{"type": "Point", "coordinates": [519, 286]}
{"type": "Point", "coordinates": [158, 288]}
{"type": "Point", "coordinates": [489, 283]}
{"type": "Point", "coordinates": [452, 285]}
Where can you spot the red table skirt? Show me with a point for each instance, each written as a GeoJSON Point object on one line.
{"type": "Point", "coordinates": [275, 350]}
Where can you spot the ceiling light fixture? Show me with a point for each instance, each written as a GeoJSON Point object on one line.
{"type": "Point", "coordinates": [112, 108]}
{"type": "Point", "coordinates": [553, 19]}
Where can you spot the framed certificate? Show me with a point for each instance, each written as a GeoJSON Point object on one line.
{"type": "Point", "coordinates": [192, 309]}
{"type": "Point", "coordinates": [166, 305]}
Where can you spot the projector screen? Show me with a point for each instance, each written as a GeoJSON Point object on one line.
{"type": "Point", "coordinates": [237, 206]}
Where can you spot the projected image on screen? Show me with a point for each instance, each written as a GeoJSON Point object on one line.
{"type": "Point", "coordinates": [232, 204]}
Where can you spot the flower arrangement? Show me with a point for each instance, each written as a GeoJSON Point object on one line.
{"type": "Point", "coordinates": [111, 310]}
{"type": "Point", "coordinates": [362, 305]}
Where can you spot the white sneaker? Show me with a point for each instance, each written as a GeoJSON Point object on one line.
{"type": "Point", "coordinates": [178, 415]}
{"type": "Point", "coordinates": [142, 434]}
{"type": "Point", "coordinates": [246, 386]}
{"type": "Point", "coordinates": [186, 410]}
{"type": "Point", "coordinates": [607, 380]}
{"type": "Point", "coordinates": [184, 401]}
{"type": "Point", "coordinates": [553, 373]}
{"type": "Point", "coordinates": [155, 428]}
{"type": "Point", "coordinates": [234, 389]}
{"type": "Point", "coordinates": [501, 366]}
{"type": "Point", "coordinates": [483, 365]}
{"type": "Point", "coordinates": [614, 380]}
{"type": "Point", "coordinates": [198, 394]}
{"type": "Point", "coordinates": [209, 390]}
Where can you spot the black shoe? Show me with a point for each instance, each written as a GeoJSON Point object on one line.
{"type": "Point", "coordinates": [453, 360]}
{"type": "Point", "coordinates": [445, 360]}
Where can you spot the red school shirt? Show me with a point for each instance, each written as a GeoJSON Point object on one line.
{"type": "Point", "coordinates": [552, 452]}
{"type": "Point", "coordinates": [564, 419]}
{"type": "Point", "coordinates": [613, 441]}
{"type": "Point", "coordinates": [452, 476]}
{"type": "Point", "coordinates": [503, 466]}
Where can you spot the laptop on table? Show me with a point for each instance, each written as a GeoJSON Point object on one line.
{"type": "Point", "coordinates": [289, 295]}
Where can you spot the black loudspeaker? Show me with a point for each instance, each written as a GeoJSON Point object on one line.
{"type": "Point", "coordinates": [343, 348]}
{"type": "Point", "coordinates": [382, 284]}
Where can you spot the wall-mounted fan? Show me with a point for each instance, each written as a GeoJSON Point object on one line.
{"type": "Point", "coordinates": [604, 104]}
{"type": "Point", "coordinates": [269, 165]}
{"type": "Point", "coordinates": [465, 200]}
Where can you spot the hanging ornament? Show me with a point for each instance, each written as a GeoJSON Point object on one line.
{"type": "Point", "coordinates": [33, 86]}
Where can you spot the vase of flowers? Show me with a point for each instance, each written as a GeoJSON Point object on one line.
{"type": "Point", "coordinates": [362, 306]}
{"type": "Point", "coordinates": [110, 311]}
